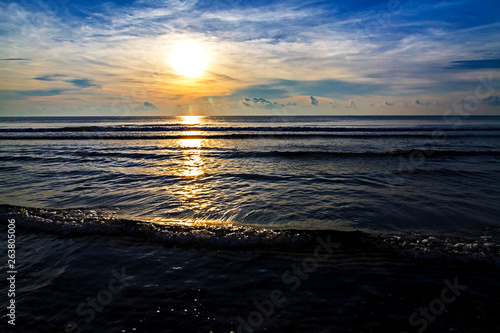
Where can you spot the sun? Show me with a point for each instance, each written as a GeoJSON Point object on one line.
{"type": "Point", "coordinates": [188, 59]}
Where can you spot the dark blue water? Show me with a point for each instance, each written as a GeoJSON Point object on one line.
{"type": "Point", "coordinates": [207, 214]}
{"type": "Point", "coordinates": [369, 173]}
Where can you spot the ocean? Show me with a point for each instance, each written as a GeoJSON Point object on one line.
{"type": "Point", "coordinates": [252, 224]}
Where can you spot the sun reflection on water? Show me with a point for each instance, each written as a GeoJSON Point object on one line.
{"type": "Point", "coordinates": [190, 222]}
{"type": "Point", "coordinates": [195, 144]}
{"type": "Point", "coordinates": [191, 198]}
{"type": "Point", "coordinates": [193, 163]}
{"type": "Point", "coordinates": [191, 120]}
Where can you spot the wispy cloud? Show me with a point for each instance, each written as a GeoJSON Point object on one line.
{"type": "Point", "coordinates": [50, 77]}
{"type": "Point", "coordinates": [323, 88]}
{"type": "Point", "coordinates": [278, 50]}
{"type": "Point", "coordinates": [15, 59]}
{"type": "Point", "coordinates": [475, 64]}
{"type": "Point", "coordinates": [83, 83]}
{"type": "Point", "coordinates": [24, 94]}
{"type": "Point", "coordinates": [79, 82]}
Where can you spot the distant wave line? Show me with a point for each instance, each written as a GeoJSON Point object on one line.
{"type": "Point", "coordinates": [277, 129]}
{"type": "Point", "coordinates": [258, 154]}
{"type": "Point", "coordinates": [104, 136]}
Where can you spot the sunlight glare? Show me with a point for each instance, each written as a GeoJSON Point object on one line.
{"type": "Point", "coordinates": [191, 120]}
{"type": "Point", "coordinates": [190, 143]}
{"type": "Point", "coordinates": [189, 59]}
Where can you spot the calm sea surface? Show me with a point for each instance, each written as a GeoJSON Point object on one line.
{"type": "Point", "coordinates": [208, 216]}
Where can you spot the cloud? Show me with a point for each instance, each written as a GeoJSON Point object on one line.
{"type": "Point", "coordinates": [349, 50]}
{"type": "Point", "coordinates": [82, 83]}
{"type": "Point", "coordinates": [440, 86]}
{"type": "Point", "coordinates": [331, 87]}
{"type": "Point", "coordinates": [259, 102]}
{"type": "Point", "coordinates": [49, 77]}
{"type": "Point", "coordinates": [266, 91]}
{"type": "Point", "coordinates": [314, 101]}
{"type": "Point", "coordinates": [150, 106]}
{"type": "Point", "coordinates": [24, 94]}
{"type": "Point", "coordinates": [322, 88]}
{"type": "Point", "coordinates": [420, 103]}
{"type": "Point", "coordinates": [14, 59]}
{"type": "Point", "coordinates": [475, 64]}
{"type": "Point", "coordinates": [48, 92]}
{"type": "Point", "coordinates": [492, 101]}
{"type": "Point", "coordinates": [350, 105]}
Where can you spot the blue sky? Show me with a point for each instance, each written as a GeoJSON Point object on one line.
{"type": "Point", "coordinates": [72, 57]}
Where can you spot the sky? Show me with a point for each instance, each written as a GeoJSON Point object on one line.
{"type": "Point", "coordinates": [348, 57]}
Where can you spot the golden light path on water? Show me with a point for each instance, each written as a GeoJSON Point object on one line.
{"type": "Point", "coordinates": [190, 166]}
{"type": "Point", "coordinates": [193, 163]}
{"type": "Point", "coordinates": [191, 149]}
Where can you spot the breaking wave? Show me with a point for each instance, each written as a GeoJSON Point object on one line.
{"type": "Point", "coordinates": [228, 235]}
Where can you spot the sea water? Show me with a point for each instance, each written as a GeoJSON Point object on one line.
{"type": "Point", "coordinates": [208, 216]}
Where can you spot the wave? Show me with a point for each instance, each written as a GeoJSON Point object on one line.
{"type": "Point", "coordinates": [233, 136]}
{"type": "Point", "coordinates": [209, 153]}
{"type": "Point", "coordinates": [276, 129]}
{"type": "Point", "coordinates": [415, 153]}
{"type": "Point", "coordinates": [227, 235]}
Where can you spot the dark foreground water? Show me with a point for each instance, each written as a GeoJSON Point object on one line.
{"type": "Point", "coordinates": [279, 224]}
